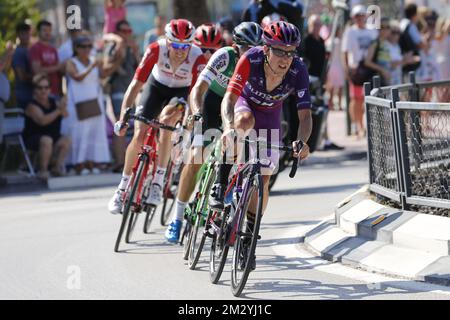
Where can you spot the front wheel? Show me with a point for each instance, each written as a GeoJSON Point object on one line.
{"type": "Point", "coordinates": [129, 202]}
{"type": "Point", "coordinates": [246, 239]}
{"type": "Point", "coordinates": [219, 246]}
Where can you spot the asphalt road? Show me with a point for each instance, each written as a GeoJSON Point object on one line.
{"type": "Point", "coordinates": [59, 245]}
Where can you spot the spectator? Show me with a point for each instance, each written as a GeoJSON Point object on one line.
{"type": "Point", "coordinates": [121, 61]}
{"type": "Point", "coordinates": [355, 42]}
{"type": "Point", "coordinates": [5, 90]}
{"type": "Point", "coordinates": [378, 56]}
{"type": "Point", "coordinates": [335, 76]}
{"type": "Point", "coordinates": [226, 27]}
{"type": "Point", "coordinates": [257, 10]}
{"type": "Point", "coordinates": [42, 132]}
{"type": "Point", "coordinates": [429, 68]}
{"type": "Point", "coordinates": [397, 59]}
{"type": "Point", "coordinates": [88, 131]}
{"type": "Point", "coordinates": [21, 66]}
{"type": "Point", "coordinates": [65, 52]}
{"type": "Point", "coordinates": [313, 47]}
{"type": "Point", "coordinates": [410, 38]}
{"type": "Point", "coordinates": [115, 11]}
{"type": "Point", "coordinates": [313, 50]}
{"type": "Point", "coordinates": [44, 58]}
{"type": "Point", "coordinates": [442, 46]}
{"type": "Point", "coordinates": [157, 32]}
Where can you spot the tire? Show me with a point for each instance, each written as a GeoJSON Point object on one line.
{"type": "Point", "coordinates": [238, 276]}
{"type": "Point", "coordinates": [185, 239]}
{"type": "Point", "coordinates": [131, 224]}
{"type": "Point", "coordinates": [130, 195]}
{"type": "Point", "coordinates": [196, 245]}
{"type": "Point", "coordinates": [149, 214]}
{"type": "Point", "coordinates": [219, 249]}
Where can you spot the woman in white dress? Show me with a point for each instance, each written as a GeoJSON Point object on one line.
{"type": "Point", "coordinates": [89, 138]}
{"type": "Point", "coordinates": [335, 76]}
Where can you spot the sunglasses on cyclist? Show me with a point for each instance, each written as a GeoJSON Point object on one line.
{"type": "Point", "coordinates": [205, 50]}
{"type": "Point", "coordinates": [180, 46]}
{"type": "Point", "coordinates": [282, 53]}
{"type": "Point", "coordinates": [42, 87]}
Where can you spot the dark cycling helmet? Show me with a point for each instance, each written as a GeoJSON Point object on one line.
{"type": "Point", "coordinates": [180, 30]}
{"type": "Point", "coordinates": [248, 33]}
{"type": "Point", "coordinates": [208, 36]}
{"type": "Point", "coordinates": [281, 33]}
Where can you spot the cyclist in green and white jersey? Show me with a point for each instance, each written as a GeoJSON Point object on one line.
{"type": "Point", "coordinates": [205, 100]}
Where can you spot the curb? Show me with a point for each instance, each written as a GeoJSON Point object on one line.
{"type": "Point", "coordinates": [377, 238]}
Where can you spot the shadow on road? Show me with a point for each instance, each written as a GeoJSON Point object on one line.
{"type": "Point", "coordinates": [314, 190]}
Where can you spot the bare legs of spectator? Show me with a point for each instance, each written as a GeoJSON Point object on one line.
{"type": "Point", "coordinates": [45, 154]}
{"type": "Point", "coordinates": [62, 147]}
{"type": "Point", "coordinates": [356, 110]}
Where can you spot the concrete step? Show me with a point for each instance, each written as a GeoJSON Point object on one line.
{"type": "Point", "coordinates": [426, 233]}
{"type": "Point", "coordinates": [349, 220]}
{"type": "Point", "coordinates": [403, 262]}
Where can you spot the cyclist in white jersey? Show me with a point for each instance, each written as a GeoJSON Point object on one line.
{"type": "Point", "coordinates": [168, 69]}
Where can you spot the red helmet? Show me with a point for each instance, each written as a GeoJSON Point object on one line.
{"type": "Point", "coordinates": [180, 30]}
{"type": "Point", "coordinates": [208, 36]}
{"type": "Point", "coordinates": [281, 33]}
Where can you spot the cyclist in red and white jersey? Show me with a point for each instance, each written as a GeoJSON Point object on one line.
{"type": "Point", "coordinates": [168, 69]}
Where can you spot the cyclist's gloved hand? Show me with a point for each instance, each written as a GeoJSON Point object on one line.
{"type": "Point", "coordinates": [301, 149]}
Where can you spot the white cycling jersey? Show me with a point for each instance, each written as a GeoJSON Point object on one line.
{"type": "Point", "coordinates": [156, 62]}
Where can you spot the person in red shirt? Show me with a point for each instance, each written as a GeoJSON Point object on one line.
{"type": "Point", "coordinates": [44, 58]}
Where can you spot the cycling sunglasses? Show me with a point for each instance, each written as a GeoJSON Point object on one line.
{"type": "Point", "coordinates": [282, 53]}
{"type": "Point", "coordinates": [180, 46]}
{"type": "Point", "coordinates": [205, 50]}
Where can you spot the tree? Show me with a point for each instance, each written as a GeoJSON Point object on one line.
{"type": "Point", "coordinates": [194, 11]}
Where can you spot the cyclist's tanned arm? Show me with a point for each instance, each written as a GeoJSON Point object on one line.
{"type": "Point", "coordinates": [305, 124]}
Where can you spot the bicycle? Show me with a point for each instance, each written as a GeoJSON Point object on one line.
{"type": "Point", "coordinates": [231, 229]}
{"type": "Point", "coordinates": [139, 184]}
{"type": "Point", "coordinates": [198, 214]}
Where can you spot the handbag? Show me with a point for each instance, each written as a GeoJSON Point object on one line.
{"type": "Point", "coordinates": [362, 73]}
{"type": "Point", "coordinates": [87, 109]}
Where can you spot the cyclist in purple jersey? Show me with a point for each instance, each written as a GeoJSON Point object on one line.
{"type": "Point", "coordinates": [264, 77]}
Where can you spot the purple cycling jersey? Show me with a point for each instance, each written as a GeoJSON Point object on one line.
{"type": "Point", "coordinates": [249, 82]}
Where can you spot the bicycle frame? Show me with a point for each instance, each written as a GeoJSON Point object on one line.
{"type": "Point", "coordinates": [149, 151]}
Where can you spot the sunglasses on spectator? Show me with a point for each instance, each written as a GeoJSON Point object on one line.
{"type": "Point", "coordinates": [85, 46]}
{"type": "Point", "coordinates": [42, 87]}
{"type": "Point", "coordinates": [205, 50]}
{"type": "Point", "coordinates": [282, 53]}
{"type": "Point", "coordinates": [180, 46]}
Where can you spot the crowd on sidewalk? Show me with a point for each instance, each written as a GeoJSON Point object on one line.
{"type": "Point", "coordinates": [72, 95]}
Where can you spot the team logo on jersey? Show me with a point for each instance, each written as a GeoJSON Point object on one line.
{"type": "Point", "coordinates": [238, 77]}
{"type": "Point", "coordinates": [258, 60]}
{"type": "Point", "coordinates": [200, 68]}
{"type": "Point", "coordinates": [301, 93]}
{"type": "Point", "coordinates": [167, 66]}
{"type": "Point", "coordinates": [220, 62]}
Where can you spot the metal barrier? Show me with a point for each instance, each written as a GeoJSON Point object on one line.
{"type": "Point", "coordinates": [409, 142]}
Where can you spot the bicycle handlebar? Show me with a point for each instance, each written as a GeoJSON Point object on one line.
{"type": "Point", "coordinates": [153, 123]}
{"type": "Point", "coordinates": [282, 148]}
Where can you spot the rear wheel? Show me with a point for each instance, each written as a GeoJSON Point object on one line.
{"type": "Point", "coordinates": [149, 214]}
{"type": "Point", "coordinates": [245, 243]}
{"type": "Point", "coordinates": [169, 192]}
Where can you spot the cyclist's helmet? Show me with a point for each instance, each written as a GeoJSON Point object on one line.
{"type": "Point", "coordinates": [208, 36]}
{"type": "Point", "coordinates": [248, 33]}
{"type": "Point", "coordinates": [180, 30]}
{"type": "Point", "coordinates": [281, 33]}
{"type": "Point", "coordinates": [274, 17]}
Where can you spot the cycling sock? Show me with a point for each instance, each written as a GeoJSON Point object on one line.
{"type": "Point", "coordinates": [179, 210]}
{"type": "Point", "coordinates": [223, 173]}
{"type": "Point", "coordinates": [123, 182]}
{"type": "Point", "coordinates": [159, 176]}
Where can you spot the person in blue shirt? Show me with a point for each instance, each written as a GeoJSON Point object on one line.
{"type": "Point", "coordinates": [21, 66]}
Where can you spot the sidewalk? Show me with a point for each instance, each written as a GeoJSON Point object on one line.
{"type": "Point", "coordinates": [354, 149]}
